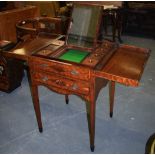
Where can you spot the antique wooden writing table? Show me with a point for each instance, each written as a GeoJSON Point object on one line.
{"type": "Point", "coordinates": [123, 64]}
{"type": "Point", "coordinates": [105, 62]}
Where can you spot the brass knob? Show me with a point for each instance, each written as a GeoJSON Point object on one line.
{"type": "Point", "coordinates": [74, 72]}
{"type": "Point", "coordinates": [44, 65]}
{"type": "Point", "coordinates": [45, 78]}
{"type": "Point", "coordinates": [59, 82]}
{"type": "Point", "coordinates": [90, 60]}
{"type": "Point", "coordinates": [74, 86]}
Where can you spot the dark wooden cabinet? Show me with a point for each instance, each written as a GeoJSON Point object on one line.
{"type": "Point", "coordinates": [11, 70]}
{"type": "Point", "coordinates": [11, 73]}
{"type": "Point", "coordinates": [139, 18]}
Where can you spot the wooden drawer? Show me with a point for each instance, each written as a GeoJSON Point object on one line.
{"type": "Point", "coordinates": [62, 83]}
{"type": "Point", "coordinates": [65, 69]}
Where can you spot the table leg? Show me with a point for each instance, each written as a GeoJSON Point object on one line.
{"type": "Point", "coordinates": [119, 35]}
{"type": "Point", "coordinates": [111, 96]}
{"type": "Point", "coordinates": [92, 125]}
{"type": "Point", "coordinates": [90, 108]}
{"type": "Point", "coordinates": [105, 25]}
{"type": "Point", "coordinates": [113, 26]}
{"type": "Point", "coordinates": [119, 29]}
{"type": "Point", "coordinates": [37, 106]}
{"type": "Point", "coordinates": [66, 99]}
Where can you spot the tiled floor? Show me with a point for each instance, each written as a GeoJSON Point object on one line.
{"type": "Point", "coordinates": [65, 126]}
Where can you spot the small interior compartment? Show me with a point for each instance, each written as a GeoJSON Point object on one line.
{"type": "Point", "coordinates": [74, 55]}
{"type": "Point", "coordinates": [48, 50]}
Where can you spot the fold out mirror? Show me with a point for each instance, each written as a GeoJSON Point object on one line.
{"type": "Point", "coordinates": [84, 26]}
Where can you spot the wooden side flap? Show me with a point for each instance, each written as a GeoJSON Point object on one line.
{"type": "Point", "coordinates": [126, 65]}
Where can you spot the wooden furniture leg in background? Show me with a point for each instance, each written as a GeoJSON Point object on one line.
{"type": "Point", "coordinates": [66, 99]}
{"type": "Point", "coordinates": [119, 34]}
{"type": "Point", "coordinates": [113, 18]}
{"type": "Point", "coordinates": [37, 106]}
{"type": "Point", "coordinates": [119, 24]}
{"type": "Point", "coordinates": [111, 96]}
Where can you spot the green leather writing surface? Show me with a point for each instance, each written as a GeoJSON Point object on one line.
{"type": "Point", "coordinates": [74, 55]}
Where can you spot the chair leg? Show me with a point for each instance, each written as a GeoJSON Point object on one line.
{"type": "Point", "coordinates": [66, 99]}
{"type": "Point", "coordinates": [111, 96]}
{"type": "Point", "coordinates": [119, 28]}
{"type": "Point", "coordinates": [113, 18]}
{"type": "Point", "coordinates": [105, 26]}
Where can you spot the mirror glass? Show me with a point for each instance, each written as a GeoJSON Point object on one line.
{"type": "Point", "coordinates": [82, 31]}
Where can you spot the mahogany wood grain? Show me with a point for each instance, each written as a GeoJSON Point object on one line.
{"type": "Point", "coordinates": [126, 65]}
{"type": "Point", "coordinates": [92, 105]}
{"type": "Point", "coordinates": [57, 67]}
{"type": "Point", "coordinates": [76, 86]}
{"type": "Point", "coordinates": [25, 49]}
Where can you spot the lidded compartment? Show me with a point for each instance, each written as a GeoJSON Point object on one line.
{"type": "Point", "coordinates": [81, 42]}
{"type": "Point", "coordinates": [82, 33]}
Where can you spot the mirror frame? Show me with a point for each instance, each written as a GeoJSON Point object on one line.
{"type": "Point", "coordinates": [99, 21]}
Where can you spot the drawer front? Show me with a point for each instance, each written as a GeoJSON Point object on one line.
{"type": "Point", "coordinates": [62, 83]}
{"type": "Point", "coordinates": [61, 68]}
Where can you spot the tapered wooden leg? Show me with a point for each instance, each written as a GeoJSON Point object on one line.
{"type": "Point", "coordinates": [66, 99]}
{"type": "Point", "coordinates": [90, 108]}
{"type": "Point", "coordinates": [111, 96]}
{"type": "Point", "coordinates": [37, 106]}
{"type": "Point", "coordinates": [92, 125]}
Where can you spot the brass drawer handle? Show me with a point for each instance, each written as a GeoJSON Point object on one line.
{"type": "Point", "coordinates": [45, 78]}
{"type": "Point", "coordinates": [59, 82]}
{"type": "Point", "coordinates": [44, 65]}
{"type": "Point", "coordinates": [74, 72]}
{"type": "Point", "coordinates": [75, 86]}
